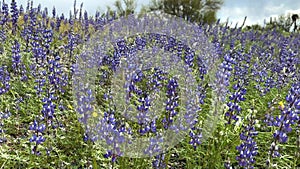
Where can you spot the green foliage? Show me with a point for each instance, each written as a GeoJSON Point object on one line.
{"type": "Point", "coordinates": [203, 11]}
{"type": "Point", "coordinates": [123, 7]}
{"type": "Point", "coordinates": [284, 23]}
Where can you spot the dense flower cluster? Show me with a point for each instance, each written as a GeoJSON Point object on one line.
{"type": "Point", "coordinates": [37, 65]}
{"type": "Point", "coordinates": [139, 86]}
{"type": "Point", "coordinates": [289, 116]}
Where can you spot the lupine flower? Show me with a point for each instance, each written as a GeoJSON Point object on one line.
{"type": "Point", "coordinates": [289, 116]}
{"type": "Point", "coordinates": [73, 40]}
{"type": "Point", "coordinates": [37, 136]}
{"type": "Point", "coordinates": [47, 37]}
{"type": "Point", "coordinates": [3, 115]}
{"type": "Point", "coordinates": [71, 21]}
{"type": "Point", "coordinates": [84, 101]}
{"type": "Point", "coordinates": [39, 9]}
{"type": "Point", "coordinates": [57, 78]}
{"type": "Point", "coordinates": [46, 11]}
{"type": "Point", "coordinates": [196, 136]}
{"type": "Point", "coordinates": [18, 101]}
{"type": "Point", "coordinates": [109, 154]}
{"type": "Point", "coordinates": [235, 98]}
{"type": "Point", "coordinates": [223, 76]}
{"type": "Point", "coordinates": [16, 57]}
{"type": "Point", "coordinates": [44, 15]}
{"type": "Point", "coordinates": [80, 12]}
{"type": "Point", "coordinates": [52, 24]}
{"type": "Point", "coordinates": [53, 12]}
{"type": "Point", "coordinates": [75, 10]}
{"type": "Point", "coordinates": [111, 123]}
{"type": "Point", "coordinates": [37, 50]}
{"type": "Point", "coordinates": [26, 33]}
{"type": "Point", "coordinates": [171, 103]}
{"type": "Point", "coordinates": [287, 66]}
{"type": "Point", "coordinates": [33, 18]}
{"type": "Point", "coordinates": [21, 10]}
{"type": "Point", "coordinates": [40, 83]}
{"type": "Point", "coordinates": [4, 80]}
{"type": "Point", "coordinates": [248, 149]}
{"type": "Point", "coordinates": [28, 6]}
{"type": "Point", "coordinates": [2, 38]}
{"type": "Point", "coordinates": [15, 13]}
{"type": "Point", "coordinates": [158, 162]}
{"type": "Point", "coordinates": [86, 21]}
{"type": "Point", "coordinates": [5, 14]}
{"type": "Point", "coordinates": [58, 23]}
{"type": "Point", "coordinates": [227, 165]}
{"type": "Point", "coordinates": [49, 107]}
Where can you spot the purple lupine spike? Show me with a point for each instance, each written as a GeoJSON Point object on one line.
{"type": "Point", "coordinates": [18, 67]}
{"type": "Point", "coordinates": [33, 18]}
{"type": "Point", "coordinates": [21, 10]}
{"type": "Point", "coordinates": [58, 23]}
{"type": "Point", "coordinates": [3, 115]}
{"type": "Point", "coordinates": [289, 116]}
{"type": "Point", "coordinates": [75, 10]}
{"type": "Point", "coordinates": [53, 12]}
{"type": "Point", "coordinates": [71, 22]}
{"type": "Point", "coordinates": [4, 80]}
{"type": "Point", "coordinates": [248, 149]}
{"type": "Point", "coordinates": [158, 162]}
{"type": "Point", "coordinates": [5, 14]}
{"type": "Point", "coordinates": [39, 9]}
{"type": "Point", "coordinates": [80, 12]}
{"type": "Point", "coordinates": [86, 20]}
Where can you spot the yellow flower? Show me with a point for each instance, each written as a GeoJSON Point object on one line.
{"type": "Point", "coordinates": [95, 114]}
{"type": "Point", "coordinates": [281, 104]}
{"type": "Point", "coordinates": [70, 107]}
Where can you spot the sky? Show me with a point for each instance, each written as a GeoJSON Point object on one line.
{"type": "Point", "coordinates": [235, 10]}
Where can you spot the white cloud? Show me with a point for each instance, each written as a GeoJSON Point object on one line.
{"type": "Point", "coordinates": [297, 11]}
{"type": "Point", "coordinates": [256, 11]}
{"type": "Point", "coordinates": [274, 9]}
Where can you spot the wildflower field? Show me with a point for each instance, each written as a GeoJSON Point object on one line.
{"type": "Point", "coordinates": [245, 114]}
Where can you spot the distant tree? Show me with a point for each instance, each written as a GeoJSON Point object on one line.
{"type": "Point", "coordinates": [294, 19]}
{"type": "Point", "coordinates": [284, 23]}
{"type": "Point", "coordinates": [254, 27]}
{"type": "Point", "coordinates": [192, 10]}
{"type": "Point", "coordinates": [209, 17]}
{"type": "Point", "coordinates": [125, 8]}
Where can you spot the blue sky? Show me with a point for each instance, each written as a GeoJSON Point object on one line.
{"type": "Point", "coordinates": [235, 10]}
